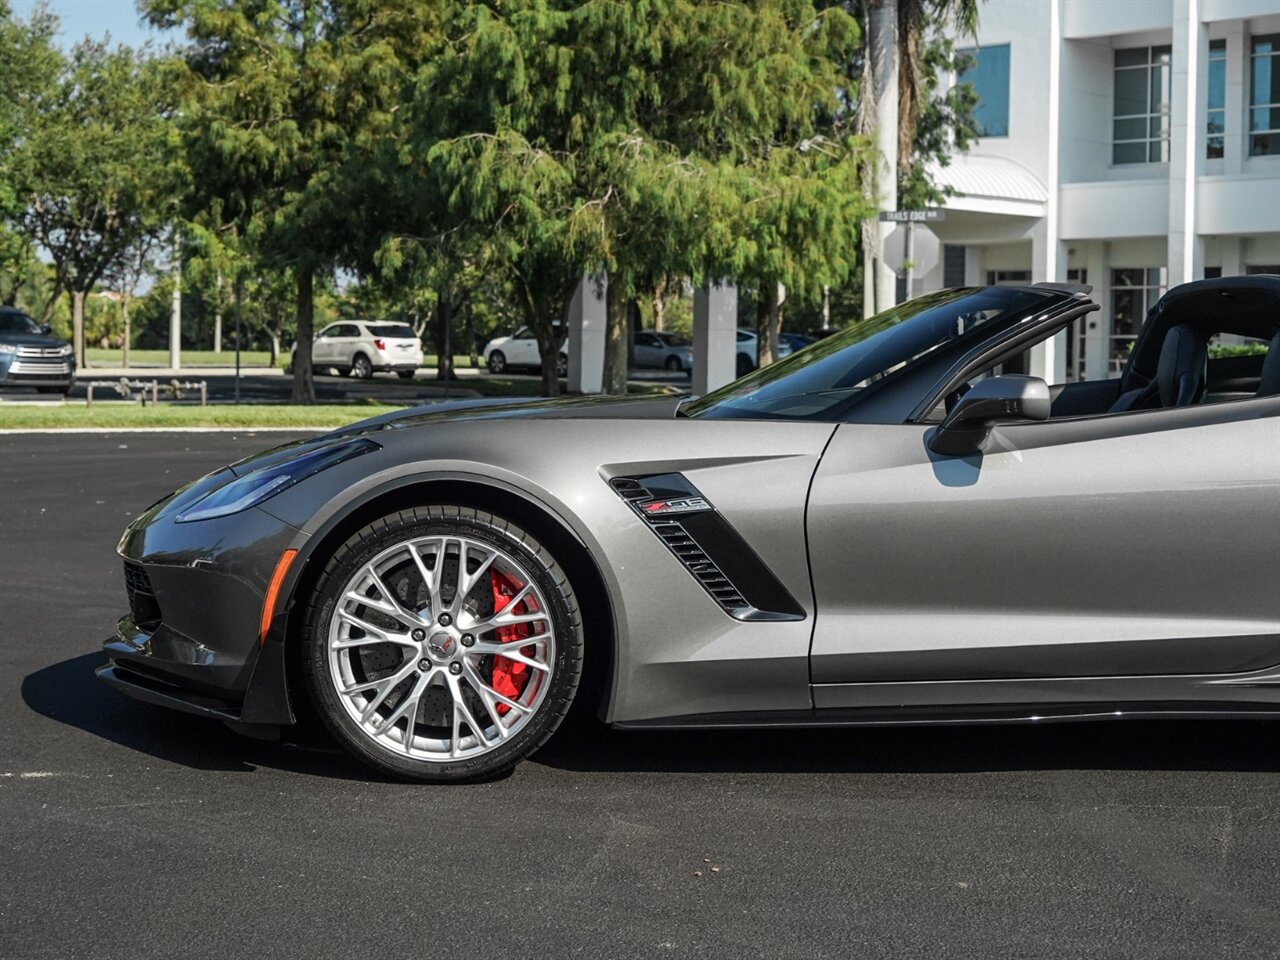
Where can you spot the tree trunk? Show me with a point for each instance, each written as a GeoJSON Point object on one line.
{"type": "Point", "coordinates": [274, 336]}
{"type": "Point", "coordinates": [77, 325]}
{"type": "Point", "coordinates": [472, 353]}
{"type": "Point", "coordinates": [764, 310]}
{"type": "Point", "coordinates": [443, 340]}
{"type": "Point", "coordinates": [660, 308]}
{"type": "Point", "coordinates": [617, 334]}
{"type": "Point", "coordinates": [304, 384]}
{"type": "Point", "coordinates": [128, 332]}
{"type": "Point", "coordinates": [775, 317]}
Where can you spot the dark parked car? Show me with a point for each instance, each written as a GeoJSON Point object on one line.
{"type": "Point", "coordinates": [884, 527]}
{"type": "Point", "coordinates": [30, 357]}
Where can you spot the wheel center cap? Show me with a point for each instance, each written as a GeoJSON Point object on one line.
{"type": "Point", "coordinates": [442, 645]}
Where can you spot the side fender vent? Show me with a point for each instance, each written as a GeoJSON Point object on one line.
{"type": "Point", "coordinates": [706, 545]}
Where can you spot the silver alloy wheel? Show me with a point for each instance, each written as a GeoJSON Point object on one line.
{"type": "Point", "coordinates": [417, 637]}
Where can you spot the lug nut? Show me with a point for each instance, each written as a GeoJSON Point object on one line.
{"type": "Point", "coordinates": [455, 668]}
{"type": "Point", "coordinates": [424, 665]}
{"type": "Point", "coordinates": [419, 634]}
{"type": "Point", "coordinates": [468, 640]}
{"type": "Point", "coordinates": [445, 619]}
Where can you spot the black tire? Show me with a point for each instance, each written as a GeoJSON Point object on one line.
{"type": "Point", "coordinates": [562, 608]}
{"type": "Point", "coordinates": [406, 374]}
{"type": "Point", "coordinates": [745, 365]}
{"type": "Point", "coordinates": [562, 366]}
{"type": "Point", "coordinates": [674, 365]}
{"type": "Point", "coordinates": [361, 367]}
{"type": "Point", "coordinates": [496, 362]}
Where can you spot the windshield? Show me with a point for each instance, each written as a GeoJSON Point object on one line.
{"type": "Point", "coordinates": [392, 330]}
{"type": "Point", "coordinates": [14, 322]}
{"type": "Point", "coordinates": [833, 374]}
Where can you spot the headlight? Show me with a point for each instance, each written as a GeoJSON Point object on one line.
{"type": "Point", "coordinates": [8, 348]}
{"type": "Point", "coordinates": [68, 350]}
{"type": "Point", "coordinates": [253, 488]}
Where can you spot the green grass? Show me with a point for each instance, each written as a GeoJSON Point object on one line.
{"type": "Point", "coordinates": [98, 357]}
{"type": "Point", "coordinates": [248, 416]}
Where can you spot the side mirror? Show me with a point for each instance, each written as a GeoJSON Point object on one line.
{"type": "Point", "coordinates": [1000, 399]}
{"type": "Point", "coordinates": [45, 329]}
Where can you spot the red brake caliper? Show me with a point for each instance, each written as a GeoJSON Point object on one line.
{"type": "Point", "coordinates": [509, 676]}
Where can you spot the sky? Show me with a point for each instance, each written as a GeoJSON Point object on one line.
{"type": "Point", "coordinates": [95, 18]}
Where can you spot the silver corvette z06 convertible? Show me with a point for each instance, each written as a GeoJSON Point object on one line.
{"type": "Point", "coordinates": [888, 526]}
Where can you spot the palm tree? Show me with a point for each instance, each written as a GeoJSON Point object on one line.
{"type": "Point", "coordinates": [915, 18]}
{"type": "Point", "coordinates": [895, 31]}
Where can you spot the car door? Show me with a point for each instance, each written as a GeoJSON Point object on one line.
{"type": "Point", "coordinates": [647, 350]}
{"type": "Point", "coordinates": [322, 350]}
{"type": "Point", "coordinates": [1125, 546]}
{"type": "Point", "coordinates": [522, 348]}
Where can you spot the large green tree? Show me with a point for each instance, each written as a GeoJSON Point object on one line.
{"type": "Point", "coordinates": [277, 93]}
{"type": "Point", "coordinates": [29, 64]}
{"type": "Point", "coordinates": [629, 139]}
{"type": "Point", "coordinates": [97, 171]}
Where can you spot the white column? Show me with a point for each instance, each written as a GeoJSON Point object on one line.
{"type": "Point", "coordinates": [1190, 42]}
{"type": "Point", "coordinates": [587, 320]}
{"type": "Point", "coordinates": [715, 336]}
{"type": "Point", "coordinates": [1235, 143]}
{"type": "Point", "coordinates": [1048, 263]}
{"type": "Point", "coordinates": [1099, 322]}
{"type": "Point", "coordinates": [1048, 253]}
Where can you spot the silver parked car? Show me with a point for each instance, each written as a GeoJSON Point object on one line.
{"type": "Point", "coordinates": [660, 350]}
{"type": "Point", "coordinates": [884, 527]}
{"type": "Point", "coordinates": [361, 347]}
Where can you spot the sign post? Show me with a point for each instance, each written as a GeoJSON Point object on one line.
{"type": "Point", "coordinates": [911, 218]}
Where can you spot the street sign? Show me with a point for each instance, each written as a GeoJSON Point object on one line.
{"type": "Point", "coordinates": [930, 215]}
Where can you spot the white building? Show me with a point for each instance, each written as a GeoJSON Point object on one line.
{"type": "Point", "coordinates": [1130, 144]}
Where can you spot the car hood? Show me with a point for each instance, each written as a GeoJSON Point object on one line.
{"type": "Point", "coordinates": [491, 408]}
{"type": "Point", "coordinates": [31, 340]}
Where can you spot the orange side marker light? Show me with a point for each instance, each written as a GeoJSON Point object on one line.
{"type": "Point", "coordinates": [273, 593]}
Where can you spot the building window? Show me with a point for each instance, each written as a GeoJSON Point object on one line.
{"type": "Point", "coordinates": [1143, 90]}
{"type": "Point", "coordinates": [1212, 273]}
{"type": "Point", "coordinates": [1002, 278]}
{"type": "Point", "coordinates": [1264, 97]}
{"type": "Point", "coordinates": [1216, 115]}
{"type": "Point", "coordinates": [987, 73]}
{"type": "Point", "coordinates": [1133, 293]}
{"type": "Point", "coordinates": [1254, 269]}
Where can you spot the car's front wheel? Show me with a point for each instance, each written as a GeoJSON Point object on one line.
{"type": "Point", "coordinates": [442, 644]}
{"type": "Point", "coordinates": [562, 365]}
{"type": "Point", "coordinates": [496, 362]}
{"type": "Point", "coordinates": [674, 365]}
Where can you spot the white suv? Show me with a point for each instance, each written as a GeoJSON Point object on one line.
{"type": "Point", "coordinates": [520, 351]}
{"type": "Point", "coordinates": [359, 347]}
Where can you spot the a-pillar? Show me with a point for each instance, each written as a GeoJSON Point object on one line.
{"type": "Point", "coordinates": [587, 320]}
{"type": "Point", "coordinates": [715, 336]}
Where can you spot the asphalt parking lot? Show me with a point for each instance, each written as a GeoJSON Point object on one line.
{"type": "Point", "coordinates": [129, 831]}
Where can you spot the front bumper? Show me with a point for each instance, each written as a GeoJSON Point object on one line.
{"type": "Point", "coordinates": [196, 591]}
{"type": "Point", "coordinates": [22, 371]}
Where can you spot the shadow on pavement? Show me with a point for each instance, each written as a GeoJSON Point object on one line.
{"type": "Point", "coordinates": [1183, 745]}
{"type": "Point", "coordinates": [69, 693]}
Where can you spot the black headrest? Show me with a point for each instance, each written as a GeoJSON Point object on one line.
{"type": "Point", "coordinates": [1269, 384]}
{"type": "Point", "coordinates": [1181, 371]}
